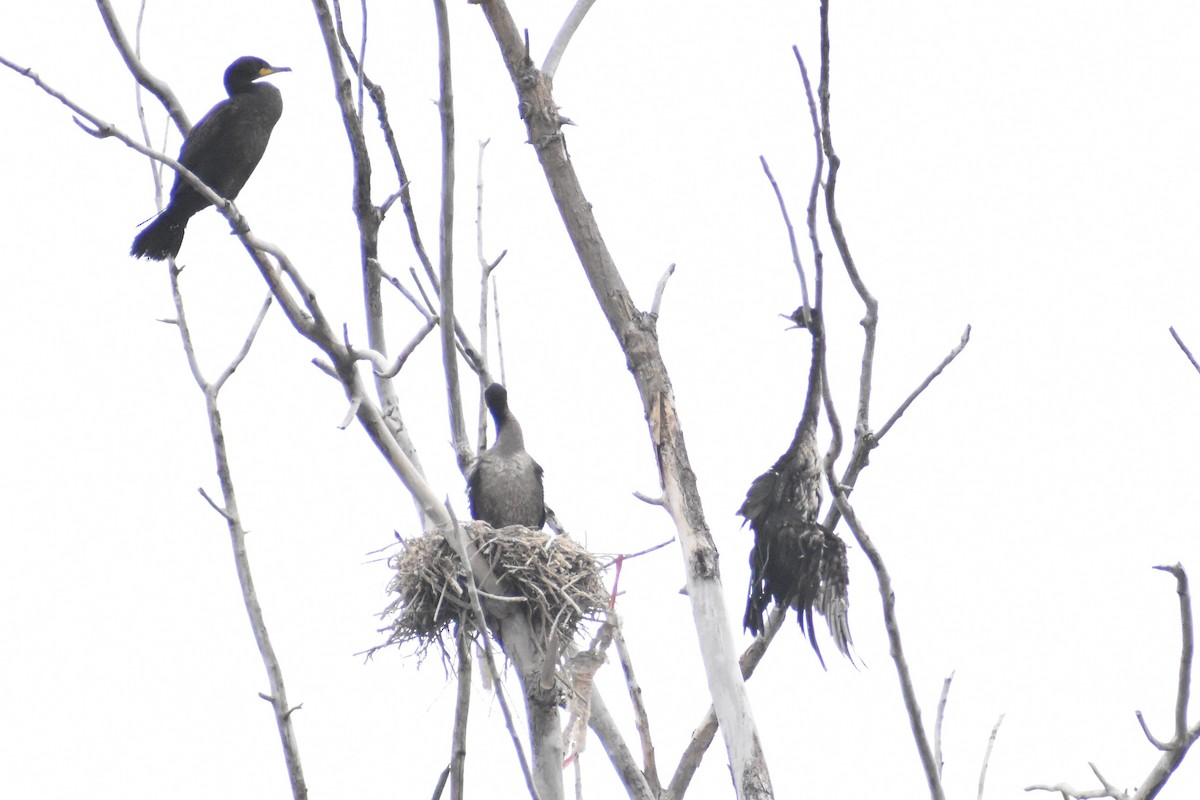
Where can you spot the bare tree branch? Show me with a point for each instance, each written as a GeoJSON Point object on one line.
{"type": "Point", "coordinates": [908, 401]}
{"type": "Point", "coordinates": [891, 623]}
{"type": "Point", "coordinates": [641, 717]}
{"type": "Point", "coordinates": [155, 167]}
{"type": "Point", "coordinates": [563, 38]}
{"type": "Point", "coordinates": [458, 425]}
{"type": "Point", "coordinates": [142, 75]}
{"type": "Point", "coordinates": [410, 348]}
{"type": "Point", "coordinates": [499, 339]}
{"type": "Point", "coordinates": [815, 186]}
{"type": "Point", "coordinates": [987, 757]}
{"type": "Point", "coordinates": [1183, 737]}
{"type": "Point", "coordinates": [485, 273]}
{"type": "Point", "coordinates": [937, 725]}
{"type": "Point", "coordinates": [1108, 787]}
{"type": "Point", "coordinates": [241, 354]}
{"type": "Point", "coordinates": [1184, 348]}
{"type": "Point", "coordinates": [660, 289]}
{"type": "Point", "coordinates": [379, 98]}
{"type": "Point", "coordinates": [1174, 751]}
{"type": "Point", "coordinates": [791, 232]}
{"type": "Point", "coordinates": [458, 739]}
{"type": "Point", "coordinates": [707, 729]}
{"type": "Point", "coordinates": [229, 511]}
{"type": "Point", "coordinates": [605, 728]}
{"type": "Point", "coordinates": [1069, 792]}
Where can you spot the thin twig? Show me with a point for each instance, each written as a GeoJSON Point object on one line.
{"type": "Point", "coordinates": [410, 348]}
{"type": "Point", "coordinates": [1184, 348]}
{"type": "Point", "coordinates": [421, 307]}
{"type": "Point", "coordinates": [892, 625]}
{"type": "Point", "coordinates": [138, 70]}
{"type": "Point", "coordinates": [908, 401]}
{"type": "Point", "coordinates": [499, 339]}
{"type": "Point", "coordinates": [791, 232]}
{"type": "Point", "coordinates": [1150, 737]}
{"type": "Point", "coordinates": [458, 739]}
{"type": "Point", "coordinates": [155, 167]}
{"type": "Point", "coordinates": [658, 500]}
{"type": "Point", "coordinates": [362, 56]}
{"type": "Point", "coordinates": [215, 505]}
{"type": "Point", "coordinates": [647, 551]}
{"type": "Point", "coordinates": [563, 38]}
{"type": "Point", "coordinates": [1069, 792]}
{"type": "Point", "coordinates": [937, 725]}
{"type": "Point", "coordinates": [440, 786]}
{"type": "Point", "coordinates": [245, 350]}
{"type": "Point", "coordinates": [640, 716]}
{"type": "Point", "coordinates": [484, 275]}
{"type": "Point", "coordinates": [660, 289]}
{"type": "Point", "coordinates": [987, 757]}
{"type": "Point", "coordinates": [1108, 787]}
{"type": "Point", "coordinates": [815, 187]}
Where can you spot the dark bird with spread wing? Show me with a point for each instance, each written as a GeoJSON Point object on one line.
{"type": "Point", "coordinates": [795, 561]}
{"type": "Point", "coordinates": [504, 486]}
{"type": "Point", "coordinates": [222, 150]}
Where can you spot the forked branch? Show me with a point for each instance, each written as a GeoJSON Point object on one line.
{"type": "Point", "coordinates": [1174, 750]}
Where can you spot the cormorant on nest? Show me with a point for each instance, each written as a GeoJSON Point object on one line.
{"type": "Point", "coordinates": [795, 561]}
{"type": "Point", "coordinates": [222, 150]}
{"type": "Point", "coordinates": [504, 485]}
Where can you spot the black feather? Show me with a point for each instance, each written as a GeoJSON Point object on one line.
{"type": "Point", "coordinates": [504, 485]}
{"type": "Point", "coordinates": [222, 150]}
{"type": "Point", "coordinates": [795, 561]}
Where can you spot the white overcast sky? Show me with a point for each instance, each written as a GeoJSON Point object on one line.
{"type": "Point", "coordinates": [1028, 168]}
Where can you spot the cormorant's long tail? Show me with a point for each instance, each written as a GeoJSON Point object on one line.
{"type": "Point", "coordinates": [162, 238]}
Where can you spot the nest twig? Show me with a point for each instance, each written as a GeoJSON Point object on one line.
{"type": "Point", "coordinates": [551, 578]}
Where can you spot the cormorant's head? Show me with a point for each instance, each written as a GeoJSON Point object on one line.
{"type": "Point", "coordinates": [246, 70]}
{"type": "Point", "coordinates": [496, 397]}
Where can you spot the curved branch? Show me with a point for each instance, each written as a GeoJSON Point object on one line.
{"type": "Point", "coordinates": [563, 38]}
{"type": "Point", "coordinates": [143, 76]}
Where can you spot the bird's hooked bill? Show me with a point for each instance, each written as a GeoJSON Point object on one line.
{"type": "Point", "coordinates": [269, 70]}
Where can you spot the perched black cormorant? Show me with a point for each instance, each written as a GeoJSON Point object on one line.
{"type": "Point", "coordinates": [222, 150]}
{"type": "Point", "coordinates": [795, 560]}
{"type": "Point", "coordinates": [504, 485]}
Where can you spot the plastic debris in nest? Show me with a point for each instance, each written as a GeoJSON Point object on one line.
{"type": "Point", "coordinates": [553, 578]}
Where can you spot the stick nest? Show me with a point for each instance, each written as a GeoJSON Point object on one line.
{"type": "Point", "coordinates": [552, 579]}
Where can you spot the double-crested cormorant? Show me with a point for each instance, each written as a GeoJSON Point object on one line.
{"type": "Point", "coordinates": [222, 150]}
{"type": "Point", "coordinates": [504, 485]}
{"type": "Point", "coordinates": [796, 561]}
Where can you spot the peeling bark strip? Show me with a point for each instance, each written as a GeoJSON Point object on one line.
{"type": "Point", "coordinates": [636, 334]}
